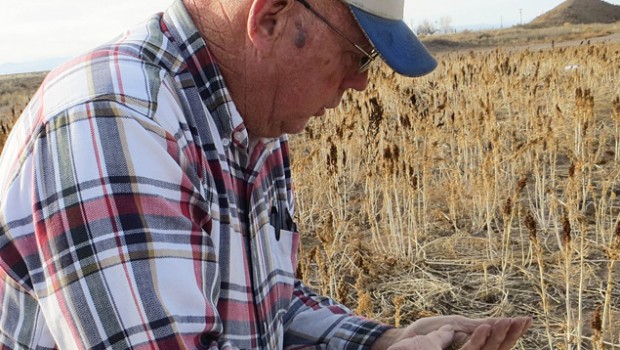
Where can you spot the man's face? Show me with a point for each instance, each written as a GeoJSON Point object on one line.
{"type": "Point", "coordinates": [317, 67]}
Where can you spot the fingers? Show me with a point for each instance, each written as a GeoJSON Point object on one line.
{"type": "Point", "coordinates": [497, 336]}
{"type": "Point", "coordinates": [518, 327]}
{"type": "Point", "coordinates": [479, 334]}
{"type": "Point", "coordinates": [478, 338]}
{"type": "Point", "coordinates": [503, 334]}
{"type": "Point", "coordinates": [442, 337]}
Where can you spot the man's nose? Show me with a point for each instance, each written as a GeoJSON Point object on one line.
{"type": "Point", "coordinates": [355, 80]}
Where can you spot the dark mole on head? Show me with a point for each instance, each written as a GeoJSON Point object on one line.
{"type": "Point", "coordinates": [300, 37]}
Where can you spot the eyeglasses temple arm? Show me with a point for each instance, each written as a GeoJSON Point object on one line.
{"type": "Point", "coordinates": [307, 5]}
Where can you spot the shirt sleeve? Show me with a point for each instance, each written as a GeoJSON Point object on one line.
{"type": "Point", "coordinates": [122, 233]}
{"type": "Point", "coordinates": [319, 321]}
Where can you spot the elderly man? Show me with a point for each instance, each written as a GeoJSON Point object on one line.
{"type": "Point", "coordinates": [146, 198]}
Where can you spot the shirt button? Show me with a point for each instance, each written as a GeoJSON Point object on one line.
{"type": "Point", "coordinates": [225, 142]}
{"type": "Point", "coordinates": [239, 136]}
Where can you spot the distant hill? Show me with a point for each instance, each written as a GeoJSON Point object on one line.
{"type": "Point", "coordinates": [578, 12]}
{"type": "Point", "coordinates": [31, 66]}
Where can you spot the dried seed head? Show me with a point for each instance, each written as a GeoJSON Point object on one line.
{"type": "Point", "coordinates": [301, 269]}
{"type": "Point", "coordinates": [596, 322]}
{"type": "Point", "coordinates": [616, 108]}
{"type": "Point", "coordinates": [597, 329]}
{"type": "Point", "coordinates": [413, 178]}
{"type": "Point", "coordinates": [375, 116]}
{"type": "Point", "coordinates": [364, 304]}
{"type": "Point", "coordinates": [388, 160]}
{"type": "Point", "coordinates": [521, 184]}
{"type": "Point", "coordinates": [507, 208]}
{"type": "Point", "coordinates": [396, 153]}
{"type": "Point", "coordinates": [615, 243]}
{"type": "Point", "coordinates": [584, 128]}
{"type": "Point", "coordinates": [398, 305]}
{"type": "Point", "coordinates": [613, 251]}
{"type": "Point", "coordinates": [342, 290]}
{"type": "Point", "coordinates": [530, 224]}
{"type": "Point", "coordinates": [387, 153]}
{"type": "Point", "coordinates": [566, 238]}
{"type": "Point", "coordinates": [332, 159]}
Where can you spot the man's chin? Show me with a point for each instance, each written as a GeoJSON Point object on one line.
{"type": "Point", "coordinates": [296, 128]}
{"type": "Point", "coordinates": [320, 112]}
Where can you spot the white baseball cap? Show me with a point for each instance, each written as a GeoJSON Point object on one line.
{"type": "Point", "coordinates": [382, 22]}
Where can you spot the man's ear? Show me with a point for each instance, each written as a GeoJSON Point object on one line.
{"type": "Point", "coordinates": [266, 19]}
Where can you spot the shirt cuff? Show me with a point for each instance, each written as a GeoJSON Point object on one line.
{"type": "Point", "coordinates": [357, 333]}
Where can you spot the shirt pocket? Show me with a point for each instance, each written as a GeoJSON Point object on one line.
{"type": "Point", "coordinates": [275, 261]}
{"type": "Point", "coordinates": [284, 246]}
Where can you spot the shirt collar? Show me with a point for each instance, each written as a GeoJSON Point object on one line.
{"type": "Point", "coordinates": [202, 66]}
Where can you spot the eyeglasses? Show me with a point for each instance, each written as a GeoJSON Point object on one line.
{"type": "Point", "coordinates": [367, 58]}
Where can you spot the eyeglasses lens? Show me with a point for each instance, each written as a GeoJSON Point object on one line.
{"type": "Point", "coordinates": [366, 61]}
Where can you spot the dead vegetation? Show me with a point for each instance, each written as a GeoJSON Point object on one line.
{"type": "Point", "coordinates": [487, 188]}
{"type": "Point", "coordinates": [15, 92]}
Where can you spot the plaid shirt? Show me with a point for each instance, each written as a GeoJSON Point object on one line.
{"type": "Point", "coordinates": [136, 212]}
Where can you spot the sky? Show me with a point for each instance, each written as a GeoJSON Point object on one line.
{"type": "Point", "coordinates": [464, 13]}
{"type": "Point", "coordinates": [33, 30]}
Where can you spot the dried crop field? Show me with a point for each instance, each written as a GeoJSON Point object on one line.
{"type": "Point", "coordinates": [15, 92]}
{"type": "Point", "coordinates": [487, 188]}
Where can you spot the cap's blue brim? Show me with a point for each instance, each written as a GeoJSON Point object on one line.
{"type": "Point", "coordinates": [396, 43]}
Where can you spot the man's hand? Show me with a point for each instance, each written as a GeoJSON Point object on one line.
{"type": "Point", "coordinates": [438, 333]}
{"type": "Point", "coordinates": [436, 340]}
